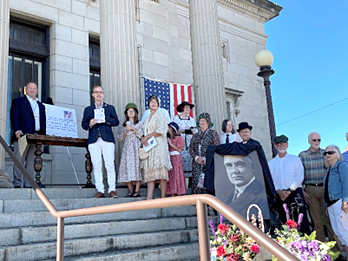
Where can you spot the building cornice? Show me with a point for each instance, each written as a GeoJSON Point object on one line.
{"type": "Point", "coordinates": [260, 10]}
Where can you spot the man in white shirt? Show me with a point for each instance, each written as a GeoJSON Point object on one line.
{"type": "Point", "coordinates": [27, 117]}
{"type": "Point", "coordinates": [288, 173]}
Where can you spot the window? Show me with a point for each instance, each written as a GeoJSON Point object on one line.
{"type": "Point", "coordinates": [27, 61]}
{"type": "Point", "coordinates": [94, 64]}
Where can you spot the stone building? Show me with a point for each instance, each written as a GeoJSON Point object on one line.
{"type": "Point", "coordinates": [67, 46]}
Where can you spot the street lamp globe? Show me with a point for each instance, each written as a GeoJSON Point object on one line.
{"type": "Point", "coordinates": [264, 58]}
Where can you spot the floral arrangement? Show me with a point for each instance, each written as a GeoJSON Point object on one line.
{"type": "Point", "coordinates": [304, 247]}
{"type": "Point", "coordinates": [231, 244]}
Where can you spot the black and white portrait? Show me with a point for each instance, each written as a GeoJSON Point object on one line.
{"type": "Point", "coordinates": [239, 183]}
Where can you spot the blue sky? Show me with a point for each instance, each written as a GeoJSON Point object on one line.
{"type": "Point", "coordinates": [309, 42]}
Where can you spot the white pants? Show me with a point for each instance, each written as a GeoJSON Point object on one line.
{"type": "Point", "coordinates": [340, 229]}
{"type": "Point", "coordinates": [107, 149]}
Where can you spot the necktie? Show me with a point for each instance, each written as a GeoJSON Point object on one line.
{"type": "Point", "coordinates": [236, 194]}
{"type": "Point", "coordinates": [227, 139]}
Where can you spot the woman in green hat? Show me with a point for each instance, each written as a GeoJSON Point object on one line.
{"type": "Point", "coordinates": [130, 133]}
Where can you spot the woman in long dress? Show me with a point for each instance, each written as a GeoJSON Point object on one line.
{"type": "Point", "coordinates": [187, 127]}
{"type": "Point", "coordinates": [157, 165]}
{"type": "Point", "coordinates": [130, 134]}
{"type": "Point", "coordinates": [176, 184]}
{"type": "Point", "coordinates": [198, 148]}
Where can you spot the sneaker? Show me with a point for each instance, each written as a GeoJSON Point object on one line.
{"type": "Point", "coordinates": [113, 194]}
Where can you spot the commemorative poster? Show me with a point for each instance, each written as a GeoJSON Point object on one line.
{"type": "Point", "coordinates": [60, 121]}
{"type": "Point", "coordinates": [239, 182]}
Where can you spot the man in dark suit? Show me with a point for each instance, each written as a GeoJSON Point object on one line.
{"type": "Point", "coordinates": [98, 120]}
{"type": "Point", "coordinates": [27, 117]}
{"type": "Point", "coordinates": [247, 189]}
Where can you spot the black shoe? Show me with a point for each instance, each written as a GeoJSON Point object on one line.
{"type": "Point", "coordinates": [17, 186]}
{"type": "Point", "coordinates": [130, 193]}
{"type": "Point", "coordinates": [136, 194]}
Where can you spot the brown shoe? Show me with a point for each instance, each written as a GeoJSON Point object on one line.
{"type": "Point", "coordinates": [99, 195]}
{"type": "Point", "coordinates": [113, 194]}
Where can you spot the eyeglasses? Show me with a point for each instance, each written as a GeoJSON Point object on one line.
{"type": "Point", "coordinates": [131, 111]}
{"type": "Point", "coordinates": [329, 152]}
{"type": "Point", "coordinates": [98, 92]}
{"type": "Point", "coordinates": [315, 140]}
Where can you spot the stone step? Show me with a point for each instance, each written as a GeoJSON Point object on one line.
{"type": "Point", "coordinates": [26, 219]}
{"type": "Point", "coordinates": [35, 205]}
{"type": "Point", "coordinates": [53, 193]}
{"type": "Point", "coordinates": [118, 243]}
{"type": "Point", "coordinates": [179, 252]}
{"type": "Point", "coordinates": [20, 236]}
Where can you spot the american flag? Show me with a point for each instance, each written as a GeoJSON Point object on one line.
{"type": "Point", "coordinates": [171, 94]}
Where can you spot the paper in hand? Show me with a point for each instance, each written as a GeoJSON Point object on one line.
{"type": "Point", "coordinates": [99, 115]}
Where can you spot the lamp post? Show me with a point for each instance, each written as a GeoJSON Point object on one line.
{"type": "Point", "coordinates": [264, 60]}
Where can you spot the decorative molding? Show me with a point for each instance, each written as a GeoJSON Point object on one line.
{"type": "Point", "coordinates": [225, 50]}
{"type": "Point", "coordinates": [249, 9]}
{"type": "Point", "coordinates": [240, 31]}
{"type": "Point", "coordinates": [156, 1]}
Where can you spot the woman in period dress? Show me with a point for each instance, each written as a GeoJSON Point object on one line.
{"type": "Point", "coordinates": [176, 184]}
{"type": "Point", "coordinates": [130, 133]}
{"type": "Point", "coordinates": [187, 127]}
{"type": "Point", "coordinates": [198, 148]}
{"type": "Point", "coordinates": [157, 165]}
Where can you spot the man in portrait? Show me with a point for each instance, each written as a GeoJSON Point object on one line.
{"type": "Point", "coordinates": [241, 183]}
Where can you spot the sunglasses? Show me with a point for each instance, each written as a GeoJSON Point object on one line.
{"type": "Point", "coordinates": [329, 152]}
{"type": "Point", "coordinates": [315, 140]}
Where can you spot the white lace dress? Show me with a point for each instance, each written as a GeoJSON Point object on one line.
{"type": "Point", "coordinates": [156, 166]}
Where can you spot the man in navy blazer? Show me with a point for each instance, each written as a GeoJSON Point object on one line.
{"type": "Point", "coordinates": [27, 117]}
{"type": "Point", "coordinates": [99, 119]}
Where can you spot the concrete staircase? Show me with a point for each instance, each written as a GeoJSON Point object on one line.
{"type": "Point", "coordinates": [28, 231]}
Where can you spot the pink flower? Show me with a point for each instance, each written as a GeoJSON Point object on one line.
{"type": "Point", "coordinates": [220, 251]}
{"type": "Point", "coordinates": [222, 228]}
{"type": "Point", "coordinates": [291, 224]}
{"type": "Point", "coordinates": [233, 257]}
{"type": "Point", "coordinates": [255, 248]}
{"type": "Point", "coordinates": [234, 237]}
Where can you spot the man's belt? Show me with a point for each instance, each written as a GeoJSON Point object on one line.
{"type": "Point", "coordinates": [315, 184]}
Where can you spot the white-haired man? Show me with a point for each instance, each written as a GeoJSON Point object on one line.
{"type": "Point", "coordinates": [314, 171]}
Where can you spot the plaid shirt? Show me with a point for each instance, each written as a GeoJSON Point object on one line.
{"type": "Point", "coordinates": [314, 168]}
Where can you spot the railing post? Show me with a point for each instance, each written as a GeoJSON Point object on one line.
{"type": "Point", "coordinates": [60, 239]}
{"type": "Point", "coordinates": [203, 236]}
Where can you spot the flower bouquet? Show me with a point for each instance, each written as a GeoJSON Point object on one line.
{"type": "Point", "coordinates": [231, 244]}
{"type": "Point", "coordinates": [304, 247]}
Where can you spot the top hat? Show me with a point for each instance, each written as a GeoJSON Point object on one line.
{"type": "Point", "coordinates": [244, 125]}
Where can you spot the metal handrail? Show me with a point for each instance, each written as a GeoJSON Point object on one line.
{"type": "Point", "coordinates": [200, 201]}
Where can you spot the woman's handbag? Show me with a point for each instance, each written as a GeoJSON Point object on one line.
{"type": "Point", "coordinates": [142, 154]}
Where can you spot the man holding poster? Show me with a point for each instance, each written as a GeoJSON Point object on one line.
{"type": "Point", "coordinates": [99, 119]}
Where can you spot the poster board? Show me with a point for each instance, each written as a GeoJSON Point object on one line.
{"type": "Point", "coordinates": [60, 121]}
{"type": "Point", "coordinates": [244, 172]}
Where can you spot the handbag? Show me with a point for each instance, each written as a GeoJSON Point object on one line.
{"type": "Point", "coordinates": [142, 154]}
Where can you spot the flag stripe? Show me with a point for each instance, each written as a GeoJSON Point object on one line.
{"type": "Point", "coordinates": [189, 94]}
{"type": "Point", "coordinates": [171, 94]}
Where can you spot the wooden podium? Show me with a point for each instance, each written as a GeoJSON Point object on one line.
{"type": "Point", "coordinates": [40, 140]}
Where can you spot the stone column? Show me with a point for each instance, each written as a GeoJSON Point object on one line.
{"type": "Point", "coordinates": [118, 49]}
{"type": "Point", "coordinates": [207, 61]}
{"type": "Point", "coordinates": [4, 46]}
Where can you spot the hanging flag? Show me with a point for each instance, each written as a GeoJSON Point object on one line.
{"type": "Point", "coordinates": [171, 94]}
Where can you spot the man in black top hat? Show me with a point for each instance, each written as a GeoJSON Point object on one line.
{"type": "Point", "coordinates": [244, 130]}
